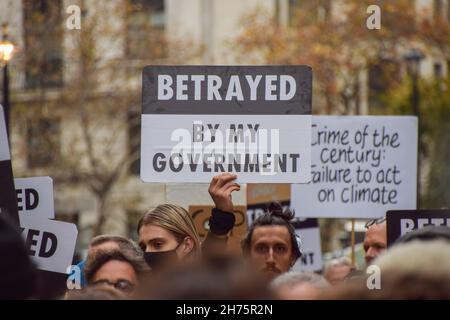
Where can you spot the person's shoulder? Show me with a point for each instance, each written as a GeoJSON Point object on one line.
{"type": "Point", "coordinates": [81, 264]}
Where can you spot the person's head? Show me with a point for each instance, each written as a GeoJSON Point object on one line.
{"type": "Point", "coordinates": [337, 270]}
{"type": "Point", "coordinates": [18, 275]}
{"type": "Point", "coordinates": [107, 242]}
{"type": "Point", "coordinates": [119, 269]}
{"type": "Point", "coordinates": [375, 240]}
{"type": "Point", "coordinates": [298, 285]}
{"type": "Point", "coordinates": [167, 234]}
{"type": "Point", "coordinates": [412, 270]}
{"type": "Point", "coordinates": [271, 243]}
{"type": "Point", "coordinates": [427, 233]}
{"type": "Point", "coordinates": [414, 285]}
{"type": "Point", "coordinates": [94, 293]}
{"type": "Point", "coordinates": [432, 256]}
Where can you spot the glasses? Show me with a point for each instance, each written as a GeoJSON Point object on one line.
{"type": "Point", "coordinates": [122, 285]}
{"type": "Point", "coordinates": [374, 221]}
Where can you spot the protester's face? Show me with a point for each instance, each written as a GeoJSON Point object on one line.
{"type": "Point", "coordinates": [154, 238]}
{"type": "Point", "coordinates": [375, 242]}
{"type": "Point", "coordinates": [119, 275]}
{"type": "Point", "coordinates": [271, 250]}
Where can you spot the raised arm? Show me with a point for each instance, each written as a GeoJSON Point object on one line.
{"type": "Point", "coordinates": [222, 218]}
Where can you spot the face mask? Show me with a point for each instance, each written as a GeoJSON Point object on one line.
{"type": "Point", "coordinates": [157, 260]}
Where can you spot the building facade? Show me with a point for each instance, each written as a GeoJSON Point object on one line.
{"type": "Point", "coordinates": [48, 66]}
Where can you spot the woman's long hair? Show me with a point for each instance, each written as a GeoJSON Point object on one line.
{"type": "Point", "coordinates": [176, 220]}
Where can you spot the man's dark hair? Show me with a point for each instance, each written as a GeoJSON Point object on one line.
{"type": "Point", "coordinates": [274, 216]}
{"type": "Point", "coordinates": [122, 242]}
{"type": "Point", "coordinates": [93, 264]}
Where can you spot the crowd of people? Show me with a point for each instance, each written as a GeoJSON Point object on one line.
{"type": "Point", "coordinates": [171, 262]}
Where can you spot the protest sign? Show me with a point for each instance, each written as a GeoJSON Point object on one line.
{"type": "Point", "coordinates": [362, 166]}
{"type": "Point", "coordinates": [268, 192]}
{"type": "Point", "coordinates": [309, 232]}
{"type": "Point", "coordinates": [199, 121]}
{"type": "Point", "coordinates": [35, 197]}
{"type": "Point", "coordinates": [400, 222]}
{"type": "Point", "coordinates": [8, 201]}
{"type": "Point", "coordinates": [50, 243]}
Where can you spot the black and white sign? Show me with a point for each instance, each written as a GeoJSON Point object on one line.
{"type": "Point", "coordinates": [362, 166]}
{"type": "Point", "coordinates": [51, 243]}
{"type": "Point", "coordinates": [401, 222]}
{"type": "Point", "coordinates": [35, 197]}
{"type": "Point", "coordinates": [309, 232]}
{"type": "Point", "coordinates": [8, 201]}
{"type": "Point", "coordinates": [199, 121]}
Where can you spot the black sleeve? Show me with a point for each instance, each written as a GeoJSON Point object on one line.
{"type": "Point", "coordinates": [221, 222]}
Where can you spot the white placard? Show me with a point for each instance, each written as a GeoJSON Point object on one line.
{"type": "Point", "coordinates": [35, 197]}
{"type": "Point", "coordinates": [362, 166]}
{"type": "Point", "coordinates": [50, 243]}
{"type": "Point", "coordinates": [311, 259]}
{"type": "Point", "coordinates": [200, 121]}
{"type": "Point", "coordinates": [269, 148]}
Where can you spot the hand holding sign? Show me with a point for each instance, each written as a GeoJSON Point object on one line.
{"type": "Point", "coordinates": [220, 189]}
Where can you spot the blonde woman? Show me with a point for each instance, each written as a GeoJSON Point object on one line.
{"type": "Point", "coordinates": [167, 234]}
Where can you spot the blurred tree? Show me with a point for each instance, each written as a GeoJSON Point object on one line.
{"type": "Point", "coordinates": [435, 136]}
{"type": "Point", "coordinates": [83, 126]}
{"type": "Point", "coordinates": [332, 37]}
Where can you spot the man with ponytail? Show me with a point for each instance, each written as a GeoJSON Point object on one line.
{"type": "Point", "coordinates": [271, 245]}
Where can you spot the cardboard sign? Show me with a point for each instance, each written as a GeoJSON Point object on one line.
{"type": "Point", "coordinates": [8, 201]}
{"type": "Point", "coordinates": [268, 192]}
{"type": "Point", "coordinates": [309, 232]}
{"type": "Point", "coordinates": [261, 195]}
{"type": "Point", "coordinates": [400, 222]}
{"type": "Point", "coordinates": [50, 243]}
{"type": "Point", "coordinates": [362, 166]}
{"type": "Point", "coordinates": [201, 214]}
{"type": "Point", "coordinates": [199, 121]}
{"type": "Point", "coordinates": [35, 197]}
